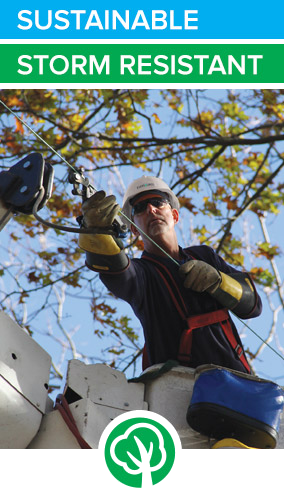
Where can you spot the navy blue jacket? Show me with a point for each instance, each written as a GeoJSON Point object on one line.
{"type": "Point", "coordinates": [142, 287]}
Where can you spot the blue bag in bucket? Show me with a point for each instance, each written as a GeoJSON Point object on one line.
{"type": "Point", "coordinates": [226, 403]}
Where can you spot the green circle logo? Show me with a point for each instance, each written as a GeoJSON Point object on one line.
{"type": "Point", "coordinates": [139, 448]}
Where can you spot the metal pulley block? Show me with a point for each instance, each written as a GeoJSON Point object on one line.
{"type": "Point", "coordinates": [21, 184]}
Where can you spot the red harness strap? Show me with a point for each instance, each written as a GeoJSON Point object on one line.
{"type": "Point", "coordinates": [171, 286]}
{"type": "Point", "coordinates": [228, 331]}
{"type": "Point", "coordinates": [194, 322]}
{"type": "Point", "coordinates": [197, 321]}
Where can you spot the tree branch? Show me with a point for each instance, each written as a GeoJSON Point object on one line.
{"type": "Point", "coordinates": [256, 195]}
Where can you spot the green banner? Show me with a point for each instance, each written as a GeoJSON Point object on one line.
{"type": "Point", "coordinates": [142, 63]}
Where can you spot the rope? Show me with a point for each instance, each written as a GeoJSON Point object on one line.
{"type": "Point", "coordinates": [62, 406]}
{"type": "Point", "coordinates": [37, 135]}
{"type": "Point", "coordinates": [259, 337]}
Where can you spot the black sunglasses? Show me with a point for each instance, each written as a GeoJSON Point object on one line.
{"type": "Point", "coordinates": [140, 207]}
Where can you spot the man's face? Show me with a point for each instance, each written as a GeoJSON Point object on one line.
{"type": "Point", "coordinates": [157, 218]}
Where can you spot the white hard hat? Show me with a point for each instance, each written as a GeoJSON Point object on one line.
{"type": "Point", "coordinates": [147, 183]}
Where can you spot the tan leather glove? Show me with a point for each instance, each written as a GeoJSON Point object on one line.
{"type": "Point", "coordinates": [200, 276]}
{"type": "Point", "coordinates": [99, 210]}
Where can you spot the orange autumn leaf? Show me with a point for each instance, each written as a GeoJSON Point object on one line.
{"type": "Point", "coordinates": [13, 101]}
{"type": "Point", "coordinates": [19, 127]}
{"type": "Point", "coordinates": [157, 118]}
{"type": "Point", "coordinates": [12, 143]}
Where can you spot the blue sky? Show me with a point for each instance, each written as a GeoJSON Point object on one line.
{"type": "Point", "coordinates": [76, 309]}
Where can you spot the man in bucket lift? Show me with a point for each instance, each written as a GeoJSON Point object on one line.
{"type": "Point", "coordinates": [183, 310]}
